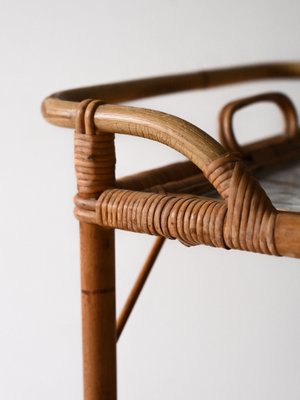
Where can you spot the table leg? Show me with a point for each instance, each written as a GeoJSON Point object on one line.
{"type": "Point", "coordinates": [98, 312]}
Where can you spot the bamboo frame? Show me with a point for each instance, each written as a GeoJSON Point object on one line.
{"type": "Point", "coordinates": [66, 109]}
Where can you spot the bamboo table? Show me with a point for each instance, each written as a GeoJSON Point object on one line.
{"type": "Point", "coordinates": [213, 198]}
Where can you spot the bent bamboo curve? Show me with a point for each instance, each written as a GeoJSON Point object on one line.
{"type": "Point", "coordinates": [61, 108]}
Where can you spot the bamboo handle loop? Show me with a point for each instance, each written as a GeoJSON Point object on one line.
{"type": "Point", "coordinates": [226, 132]}
{"type": "Point", "coordinates": [84, 122]}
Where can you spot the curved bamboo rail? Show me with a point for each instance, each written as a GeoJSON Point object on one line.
{"type": "Point", "coordinates": [141, 88]}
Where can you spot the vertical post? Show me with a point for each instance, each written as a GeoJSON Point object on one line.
{"type": "Point", "coordinates": [98, 312]}
{"type": "Point", "coordinates": [95, 170]}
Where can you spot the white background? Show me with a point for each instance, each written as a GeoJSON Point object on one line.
{"type": "Point", "coordinates": [210, 324]}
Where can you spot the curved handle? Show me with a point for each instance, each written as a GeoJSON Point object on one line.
{"type": "Point", "coordinates": [186, 138]}
{"type": "Point", "coordinates": [226, 132]}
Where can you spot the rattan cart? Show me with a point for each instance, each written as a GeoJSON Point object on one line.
{"type": "Point", "coordinates": [213, 198]}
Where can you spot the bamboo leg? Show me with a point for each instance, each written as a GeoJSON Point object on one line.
{"type": "Point", "coordinates": [95, 171]}
{"type": "Point", "coordinates": [98, 312]}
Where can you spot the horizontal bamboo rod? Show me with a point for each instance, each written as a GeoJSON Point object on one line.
{"type": "Point", "coordinates": [286, 233]}
{"type": "Point", "coordinates": [60, 108]}
{"type": "Point", "coordinates": [141, 88]}
{"type": "Point", "coordinates": [159, 176]}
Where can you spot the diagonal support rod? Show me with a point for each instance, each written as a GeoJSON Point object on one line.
{"type": "Point", "coordinates": [139, 284]}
